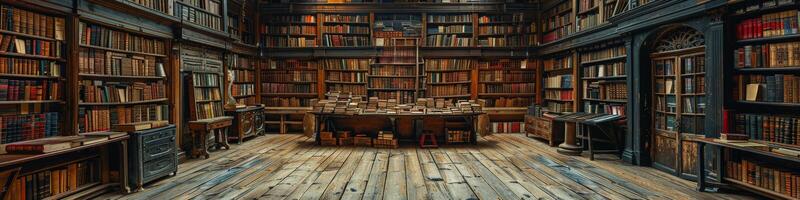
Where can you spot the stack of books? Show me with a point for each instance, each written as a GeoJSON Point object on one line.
{"type": "Point", "coordinates": [385, 140]}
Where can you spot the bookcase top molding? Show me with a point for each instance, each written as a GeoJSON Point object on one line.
{"type": "Point", "coordinates": [394, 8]}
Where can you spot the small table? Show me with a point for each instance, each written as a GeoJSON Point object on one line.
{"type": "Point", "coordinates": [603, 122]}
{"type": "Point", "coordinates": [201, 129]}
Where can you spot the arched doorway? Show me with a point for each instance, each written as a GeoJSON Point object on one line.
{"type": "Point", "coordinates": [677, 61]}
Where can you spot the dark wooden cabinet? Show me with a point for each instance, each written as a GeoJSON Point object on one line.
{"type": "Point", "coordinates": [152, 155]}
{"type": "Point", "coordinates": [247, 122]}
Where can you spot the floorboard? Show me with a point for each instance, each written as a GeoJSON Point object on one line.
{"type": "Point", "coordinates": [502, 166]}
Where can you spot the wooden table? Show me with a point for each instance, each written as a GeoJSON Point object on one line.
{"type": "Point", "coordinates": [201, 129]}
{"type": "Point", "coordinates": [31, 163]}
{"type": "Point", "coordinates": [469, 118]}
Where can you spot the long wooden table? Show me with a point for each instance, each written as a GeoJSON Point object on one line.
{"type": "Point", "coordinates": [323, 118]}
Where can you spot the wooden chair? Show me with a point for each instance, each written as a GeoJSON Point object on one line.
{"type": "Point", "coordinates": [6, 178]}
{"type": "Point", "coordinates": [201, 129]}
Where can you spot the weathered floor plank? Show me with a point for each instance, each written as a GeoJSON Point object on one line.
{"type": "Point", "coordinates": [507, 166]}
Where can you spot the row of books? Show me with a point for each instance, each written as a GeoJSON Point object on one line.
{"type": "Point", "coordinates": [246, 100]}
{"type": "Point", "coordinates": [209, 110]}
{"type": "Point", "coordinates": [558, 22]}
{"type": "Point", "coordinates": [449, 64]}
{"type": "Point", "coordinates": [587, 5]}
{"type": "Point", "coordinates": [559, 81]}
{"type": "Point", "coordinates": [559, 95]}
{"type": "Point", "coordinates": [296, 18]}
{"type": "Point", "coordinates": [21, 127]}
{"type": "Point", "coordinates": [345, 64]}
{"type": "Point", "coordinates": [516, 17]}
{"type": "Point", "coordinates": [448, 90]}
{"type": "Point", "coordinates": [500, 29]}
{"type": "Point", "coordinates": [207, 94]}
{"type": "Point", "coordinates": [507, 127]}
{"type": "Point", "coordinates": [202, 17]}
{"type": "Point", "coordinates": [288, 88]}
{"type": "Point", "coordinates": [604, 108]}
{"type": "Point", "coordinates": [558, 63]}
{"type": "Point", "coordinates": [389, 70]}
{"type": "Point", "coordinates": [286, 102]}
{"type": "Point", "coordinates": [398, 96]}
{"type": "Point", "coordinates": [345, 41]}
{"type": "Point", "coordinates": [28, 22]}
{"type": "Point", "coordinates": [398, 53]}
{"type": "Point", "coordinates": [560, 107]}
{"type": "Point", "coordinates": [93, 61]}
{"type": "Point", "coordinates": [447, 77]}
{"type": "Point", "coordinates": [508, 102]}
{"type": "Point", "coordinates": [507, 76]}
{"type": "Point", "coordinates": [21, 45]}
{"type": "Point", "coordinates": [762, 5]}
{"type": "Point", "coordinates": [243, 89]}
{"type": "Point", "coordinates": [289, 76]}
{"type": "Point", "coordinates": [52, 182]}
{"type": "Point", "coordinates": [457, 136]}
{"type": "Point", "coordinates": [291, 64]}
{"type": "Point", "coordinates": [100, 36]}
{"type": "Point", "coordinates": [768, 55]}
{"type": "Point", "coordinates": [504, 64]}
{"type": "Point", "coordinates": [770, 88]}
{"type": "Point", "coordinates": [25, 66]}
{"type": "Point", "coordinates": [344, 28]}
{"type": "Point", "coordinates": [291, 30]}
{"type": "Point", "coordinates": [164, 6]}
{"type": "Point", "coordinates": [613, 91]}
{"type": "Point", "coordinates": [345, 18]}
{"type": "Point", "coordinates": [505, 41]}
{"type": "Point", "coordinates": [604, 70]}
{"type": "Point", "coordinates": [353, 77]}
{"type": "Point", "coordinates": [29, 90]}
{"type": "Point", "coordinates": [449, 18]}
{"type": "Point", "coordinates": [212, 6]}
{"type": "Point", "coordinates": [243, 75]}
{"type": "Point", "coordinates": [453, 40]}
{"type": "Point", "coordinates": [449, 29]}
{"type": "Point", "coordinates": [399, 59]}
{"type": "Point", "coordinates": [768, 25]}
{"type": "Point", "coordinates": [587, 21]}
{"type": "Point", "coordinates": [360, 90]}
{"type": "Point", "coordinates": [305, 41]}
{"type": "Point", "coordinates": [205, 80]}
{"type": "Point", "coordinates": [764, 175]}
{"type": "Point", "coordinates": [120, 92]}
{"type": "Point", "coordinates": [771, 128]}
{"type": "Point", "coordinates": [508, 88]}
{"type": "Point", "coordinates": [101, 118]}
{"type": "Point", "coordinates": [606, 53]}
{"type": "Point", "coordinates": [393, 83]}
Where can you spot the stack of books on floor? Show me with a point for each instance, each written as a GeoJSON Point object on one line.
{"type": "Point", "coordinates": [457, 136]}
{"type": "Point", "coordinates": [385, 140]}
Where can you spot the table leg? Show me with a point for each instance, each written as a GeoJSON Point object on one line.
{"type": "Point", "coordinates": [124, 168]}
{"type": "Point", "coordinates": [701, 167]}
{"type": "Point", "coordinates": [224, 137]}
{"type": "Point", "coordinates": [205, 144]}
{"type": "Point", "coordinates": [569, 146]}
{"type": "Point", "coordinates": [589, 143]}
{"type": "Point", "coordinates": [317, 121]}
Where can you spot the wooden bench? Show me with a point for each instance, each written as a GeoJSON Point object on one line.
{"type": "Point", "coordinates": [201, 129]}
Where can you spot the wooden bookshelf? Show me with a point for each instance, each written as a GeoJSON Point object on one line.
{"type": "Point", "coordinates": [205, 95]}
{"type": "Point", "coordinates": [602, 70]}
{"type": "Point", "coordinates": [289, 82]}
{"type": "Point", "coordinates": [502, 30]}
{"type": "Point", "coordinates": [449, 30]}
{"type": "Point", "coordinates": [346, 74]}
{"type": "Point", "coordinates": [396, 73]}
{"type": "Point", "coordinates": [506, 82]}
{"type": "Point", "coordinates": [449, 78]}
{"type": "Point", "coordinates": [203, 13]}
{"type": "Point", "coordinates": [558, 22]}
{"type": "Point", "coordinates": [122, 77]}
{"type": "Point", "coordinates": [346, 30]}
{"type": "Point", "coordinates": [560, 84]}
{"type": "Point", "coordinates": [243, 69]}
{"type": "Point", "coordinates": [290, 31]}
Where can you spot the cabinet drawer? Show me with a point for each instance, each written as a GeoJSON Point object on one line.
{"type": "Point", "coordinates": [158, 167]}
{"type": "Point", "coordinates": [149, 137]}
{"type": "Point", "coordinates": [158, 148]}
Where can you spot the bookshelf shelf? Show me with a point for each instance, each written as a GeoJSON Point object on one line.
{"type": "Point", "coordinates": [452, 96]}
{"type": "Point", "coordinates": [749, 187]}
{"type": "Point", "coordinates": [394, 76]}
{"type": "Point", "coordinates": [448, 70]}
{"type": "Point", "coordinates": [289, 94]}
{"type": "Point", "coordinates": [558, 70]}
{"type": "Point", "coordinates": [553, 88]}
{"type": "Point", "coordinates": [208, 100]}
{"type": "Point", "coordinates": [451, 83]}
{"type": "Point", "coordinates": [7, 32]}
{"type": "Point", "coordinates": [605, 78]}
{"type": "Point", "coordinates": [794, 37]}
{"type": "Point", "coordinates": [198, 8]}
{"type": "Point", "coordinates": [120, 76]}
{"type": "Point", "coordinates": [770, 69]}
{"type": "Point", "coordinates": [396, 89]}
{"type": "Point", "coordinates": [345, 82]}
{"type": "Point", "coordinates": [31, 102]}
{"type": "Point", "coordinates": [122, 51]}
{"type": "Point", "coordinates": [508, 94]}
{"type": "Point", "coordinates": [124, 103]}
{"type": "Point", "coordinates": [29, 76]}
{"type": "Point", "coordinates": [606, 100]}
{"type": "Point", "coordinates": [32, 56]}
{"type": "Point", "coordinates": [768, 10]}
{"type": "Point", "coordinates": [611, 59]}
{"type": "Point", "coordinates": [781, 104]}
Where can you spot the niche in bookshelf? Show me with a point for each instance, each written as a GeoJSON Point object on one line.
{"type": "Point", "coordinates": [449, 30]}
{"type": "Point", "coordinates": [122, 78]}
{"type": "Point", "coordinates": [345, 30]}
{"type": "Point", "coordinates": [288, 82]}
{"type": "Point", "coordinates": [502, 30]}
{"type": "Point", "coordinates": [604, 88]}
{"type": "Point", "coordinates": [290, 30]}
{"type": "Point", "coordinates": [346, 74]}
{"type": "Point", "coordinates": [558, 22]}
{"type": "Point", "coordinates": [507, 82]}
{"type": "Point", "coordinates": [243, 69]}
{"type": "Point", "coordinates": [204, 13]}
{"type": "Point", "coordinates": [559, 90]}
{"type": "Point", "coordinates": [31, 80]}
{"type": "Point", "coordinates": [396, 72]}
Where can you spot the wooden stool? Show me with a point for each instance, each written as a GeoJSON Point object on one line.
{"type": "Point", "coordinates": [428, 134]}
{"type": "Point", "coordinates": [201, 129]}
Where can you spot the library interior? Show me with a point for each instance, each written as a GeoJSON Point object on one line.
{"type": "Point", "coordinates": [399, 99]}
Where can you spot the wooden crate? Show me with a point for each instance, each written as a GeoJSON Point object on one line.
{"type": "Point", "coordinates": [386, 143]}
{"type": "Point", "coordinates": [344, 134]}
{"type": "Point", "coordinates": [345, 141]}
{"type": "Point", "coordinates": [326, 135]}
{"type": "Point", "coordinates": [328, 142]}
{"type": "Point", "coordinates": [362, 141]}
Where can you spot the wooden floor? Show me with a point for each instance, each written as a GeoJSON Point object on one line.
{"type": "Point", "coordinates": [500, 167]}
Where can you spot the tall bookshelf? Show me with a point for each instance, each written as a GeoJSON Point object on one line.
{"type": "Point", "coordinates": [449, 30]}
{"type": "Point", "coordinates": [603, 79]}
{"type": "Point", "coordinates": [346, 30]}
{"type": "Point", "coordinates": [163, 6]}
{"type": "Point", "coordinates": [593, 13]}
{"type": "Point", "coordinates": [389, 25]}
{"type": "Point", "coordinates": [502, 30]}
{"type": "Point", "coordinates": [288, 82]}
{"type": "Point", "coordinates": [558, 22]}
{"type": "Point", "coordinates": [31, 80]}
{"type": "Point", "coordinates": [507, 82]}
{"type": "Point", "coordinates": [346, 75]}
{"type": "Point", "coordinates": [203, 13]}
{"type": "Point", "coordinates": [559, 83]}
{"type": "Point", "coordinates": [449, 78]}
{"type": "Point", "coordinates": [762, 91]}
{"type": "Point", "coordinates": [243, 70]}
{"type": "Point", "coordinates": [205, 95]}
{"type": "Point", "coordinates": [290, 31]}
{"type": "Point", "coordinates": [397, 71]}
{"type": "Point", "coordinates": [122, 77]}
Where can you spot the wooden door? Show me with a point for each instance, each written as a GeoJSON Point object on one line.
{"type": "Point", "coordinates": [679, 112]}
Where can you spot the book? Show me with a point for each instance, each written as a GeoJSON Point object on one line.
{"type": "Point", "coordinates": [206, 13]}
{"type": "Point", "coordinates": [54, 181]}
{"type": "Point", "coordinates": [42, 145]}
{"type": "Point", "coordinates": [768, 25]}
{"type": "Point", "coordinates": [21, 127]}
{"type": "Point", "coordinates": [101, 118]}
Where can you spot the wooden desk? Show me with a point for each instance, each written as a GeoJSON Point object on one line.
{"type": "Point", "coordinates": [201, 129]}
{"type": "Point", "coordinates": [284, 117]}
{"type": "Point", "coordinates": [469, 118]}
{"type": "Point", "coordinates": [32, 163]}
